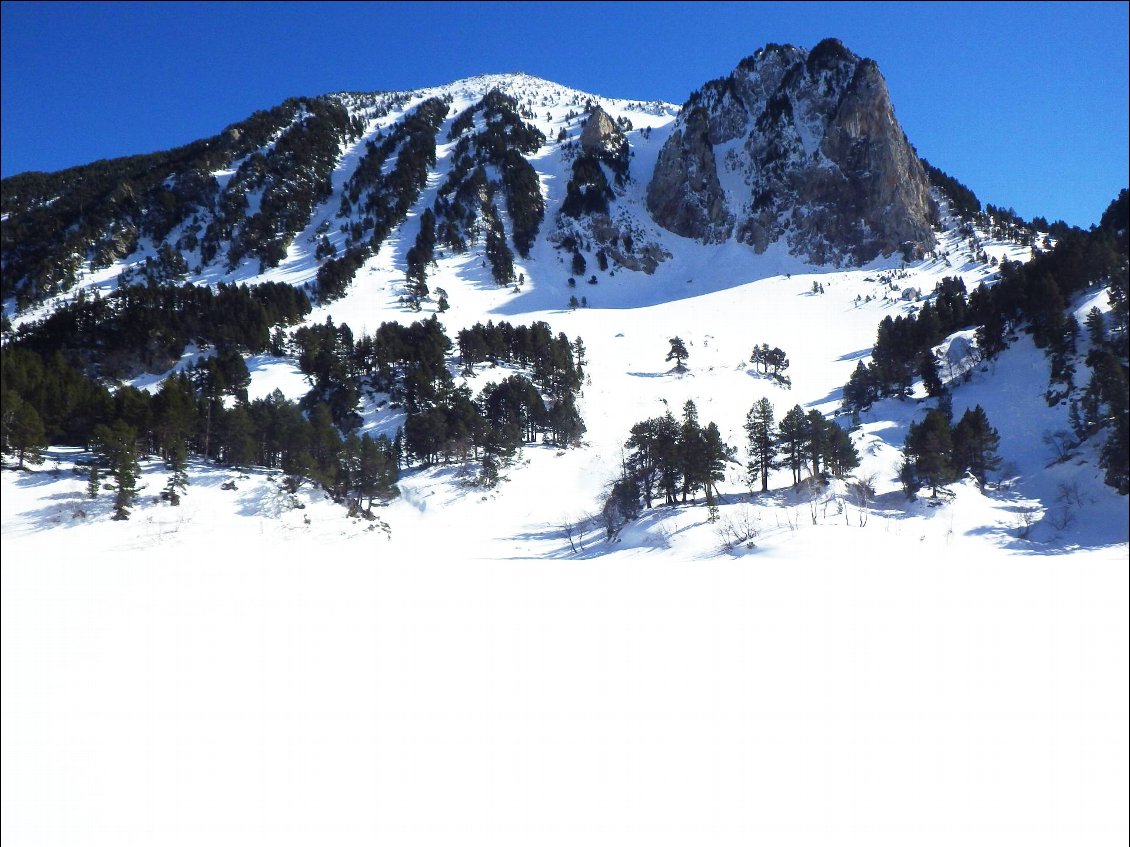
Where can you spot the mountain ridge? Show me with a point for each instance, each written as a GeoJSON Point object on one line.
{"type": "Point", "coordinates": [492, 199]}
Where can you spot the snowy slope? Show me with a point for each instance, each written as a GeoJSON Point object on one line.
{"type": "Point", "coordinates": [469, 670]}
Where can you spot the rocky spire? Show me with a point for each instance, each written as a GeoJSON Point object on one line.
{"type": "Point", "coordinates": [809, 149]}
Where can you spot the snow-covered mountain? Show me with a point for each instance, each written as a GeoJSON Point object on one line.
{"type": "Point", "coordinates": [297, 648]}
{"type": "Point", "coordinates": [538, 203]}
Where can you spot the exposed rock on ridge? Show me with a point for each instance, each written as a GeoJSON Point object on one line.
{"type": "Point", "coordinates": [684, 194]}
{"type": "Point", "coordinates": [600, 135]}
{"type": "Point", "coordinates": [795, 145]}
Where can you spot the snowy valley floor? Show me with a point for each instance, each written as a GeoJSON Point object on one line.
{"type": "Point", "coordinates": [243, 677]}
{"type": "Point", "coordinates": [234, 671]}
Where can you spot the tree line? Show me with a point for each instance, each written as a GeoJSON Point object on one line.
{"type": "Point", "coordinates": [673, 460]}
{"type": "Point", "coordinates": [1032, 297]}
{"type": "Point", "coordinates": [205, 411]}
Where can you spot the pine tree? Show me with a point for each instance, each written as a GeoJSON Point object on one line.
{"type": "Point", "coordinates": [93, 481]}
{"type": "Point", "coordinates": [678, 352]}
{"type": "Point", "coordinates": [840, 456]}
{"type": "Point", "coordinates": [717, 454]}
{"type": "Point", "coordinates": [975, 445]}
{"type": "Point", "coordinates": [929, 450]}
{"type": "Point", "coordinates": [24, 433]}
{"type": "Point", "coordinates": [178, 476]}
{"type": "Point", "coordinates": [116, 446]}
{"type": "Point", "coordinates": [761, 431]}
{"type": "Point", "coordinates": [816, 434]}
{"type": "Point", "coordinates": [928, 370]}
{"type": "Point", "coordinates": [693, 459]}
{"type": "Point", "coordinates": [792, 438]}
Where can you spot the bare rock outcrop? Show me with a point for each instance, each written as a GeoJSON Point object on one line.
{"type": "Point", "coordinates": [684, 194]}
{"type": "Point", "coordinates": [810, 151]}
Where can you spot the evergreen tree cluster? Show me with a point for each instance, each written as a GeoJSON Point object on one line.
{"type": "Point", "coordinates": [962, 199]}
{"type": "Point", "coordinates": [903, 347]}
{"type": "Point", "coordinates": [187, 416]}
{"type": "Point", "coordinates": [671, 459]}
{"type": "Point", "coordinates": [1104, 404]}
{"type": "Point", "coordinates": [444, 422]}
{"type": "Point", "coordinates": [375, 203]}
{"type": "Point", "coordinates": [773, 362]}
{"type": "Point", "coordinates": [799, 441]}
{"type": "Point", "coordinates": [501, 144]}
{"type": "Point", "coordinates": [55, 224]}
{"type": "Point", "coordinates": [293, 176]}
{"type": "Point", "coordinates": [588, 191]}
{"type": "Point", "coordinates": [1033, 296]}
{"type": "Point", "coordinates": [146, 328]}
{"type": "Point", "coordinates": [420, 256]}
{"type": "Point", "coordinates": [557, 364]}
{"type": "Point", "coordinates": [675, 459]}
{"type": "Point", "coordinates": [937, 453]}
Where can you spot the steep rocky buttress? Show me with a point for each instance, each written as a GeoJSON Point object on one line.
{"type": "Point", "coordinates": [797, 145]}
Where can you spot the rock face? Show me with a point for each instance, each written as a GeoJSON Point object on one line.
{"type": "Point", "coordinates": [684, 194]}
{"type": "Point", "coordinates": [600, 135]}
{"type": "Point", "coordinates": [795, 145]}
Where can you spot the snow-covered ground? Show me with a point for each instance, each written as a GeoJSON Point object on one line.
{"type": "Point", "coordinates": [486, 667]}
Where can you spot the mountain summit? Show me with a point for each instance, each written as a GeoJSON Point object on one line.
{"type": "Point", "coordinates": [794, 147]}
{"type": "Point", "coordinates": [800, 145]}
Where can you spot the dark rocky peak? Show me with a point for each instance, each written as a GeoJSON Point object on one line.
{"type": "Point", "coordinates": [814, 138]}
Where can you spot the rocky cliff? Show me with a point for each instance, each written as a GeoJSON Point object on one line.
{"type": "Point", "coordinates": [795, 145]}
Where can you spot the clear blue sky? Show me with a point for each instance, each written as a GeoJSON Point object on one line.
{"type": "Point", "coordinates": [1024, 103]}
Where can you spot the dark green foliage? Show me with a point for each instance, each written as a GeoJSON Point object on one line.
{"type": "Point", "coordinates": [555, 370]}
{"type": "Point", "coordinates": [178, 476]}
{"type": "Point", "coordinates": [793, 440]}
{"type": "Point", "coordinates": [335, 275]}
{"type": "Point", "coordinates": [962, 199]}
{"type": "Point", "coordinates": [653, 461]}
{"type": "Point", "coordinates": [115, 447]}
{"type": "Point", "coordinates": [23, 431]}
{"type": "Point", "coordinates": [566, 425]}
{"type": "Point", "coordinates": [503, 142]}
{"type": "Point", "coordinates": [369, 472]}
{"type": "Point", "coordinates": [523, 200]}
{"type": "Point", "coordinates": [419, 257]}
{"type": "Point", "coordinates": [498, 252]}
{"type": "Point", "coordinates": [674, 459]}
{"type": "Point", "coordinates": [139, 329]}
{"type": "Point", "coordinates": [385, 200]}
{"type": "Point", "coordinates": [621, 507]}
{"type": "Point", "coordinates": [929, 451]}
{"type": "Point", "coordinates": [54, 223]}
{"type": "Point", "coordinates": [862, 389]}
{"type": "Point", "coordinates": [928, 370]}
{"type": "Point", "coordinates": [93, 481]}
{"type": "Point", "coordinates": [69, 403]}
{"type": "Point", "coordinates": [975, 445]}
{"type": "Point", "coordinates": [772, 362]}
{"type": "Point", "coordinates": [1110, 409]}
{"type": "Point", "coordinates": [840, 455]}
{"type": "Point", "coordinates": [678, 352]}
{"type": "Point", "coordinates": [381, 200]}
{"type": "Point", "coordinates": [761, 432]}
{"type": "Point", "coordinates": [588, 191]}
{"type": "Point", "coordinates": [294, 177]}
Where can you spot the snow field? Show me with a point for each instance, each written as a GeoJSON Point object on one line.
{"type": "Point", "coordinates": [278, 691]}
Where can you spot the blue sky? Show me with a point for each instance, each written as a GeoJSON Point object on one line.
{"type": "Point", "coordinates": [1024, 103]}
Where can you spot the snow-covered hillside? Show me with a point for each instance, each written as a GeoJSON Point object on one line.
{"type": "Point", "coordinates": [484, 665]}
